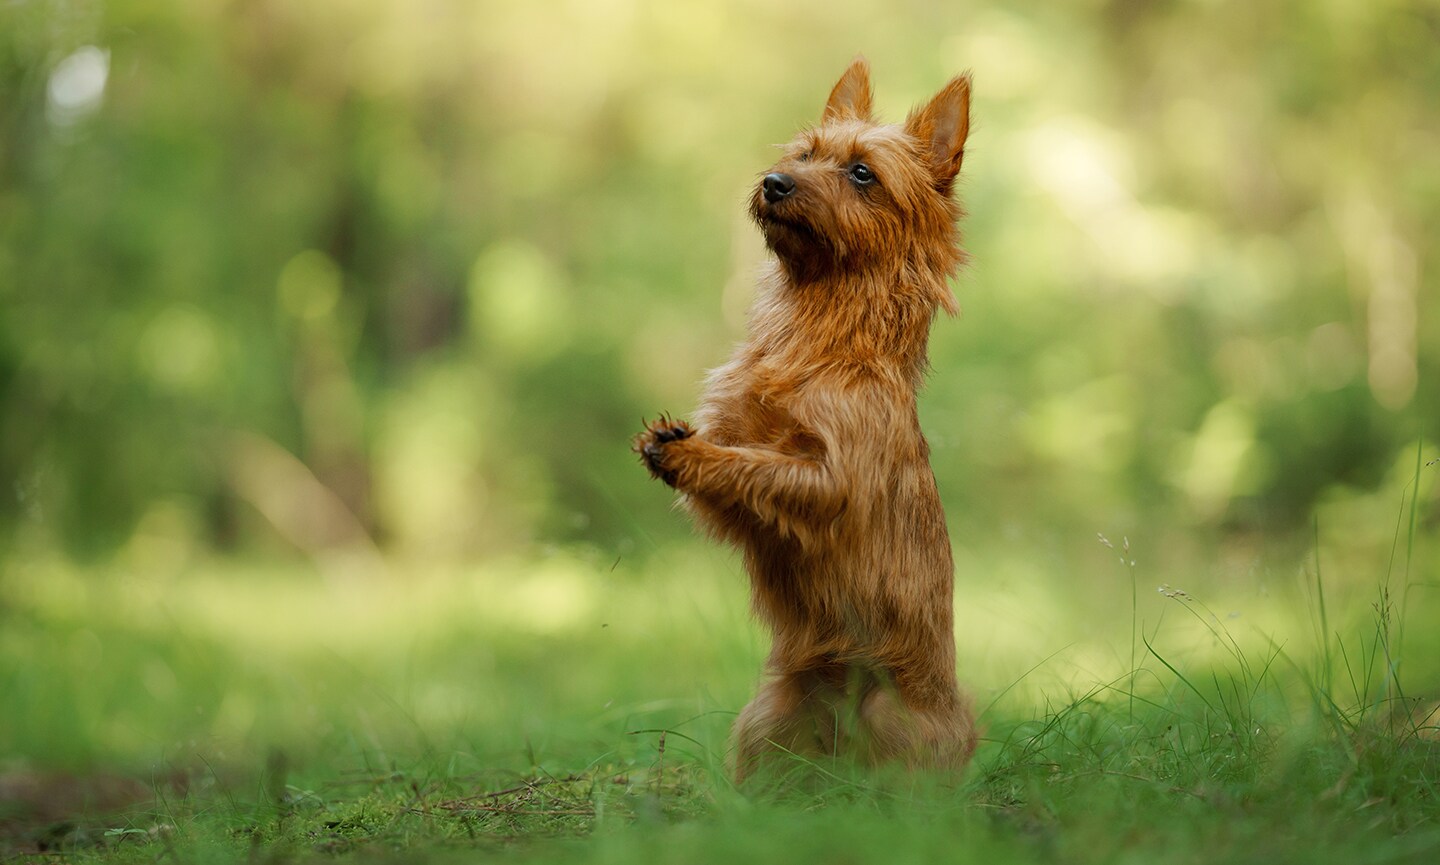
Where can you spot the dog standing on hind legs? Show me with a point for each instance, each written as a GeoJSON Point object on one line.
{"type": "Point", "coordinates": [806, 452]}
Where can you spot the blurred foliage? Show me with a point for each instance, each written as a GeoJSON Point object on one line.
{"type": "Point", "coordinates": [371, 278]}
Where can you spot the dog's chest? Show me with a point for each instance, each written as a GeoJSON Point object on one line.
{"type": "Point", "coordinates": [754, 404]}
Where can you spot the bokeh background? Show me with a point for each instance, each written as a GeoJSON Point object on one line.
{"type": "Point", "coordinates": [324, 328]}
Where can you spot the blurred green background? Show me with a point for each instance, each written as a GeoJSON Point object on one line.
{"type": "Point", "coordinates": [369, 296]}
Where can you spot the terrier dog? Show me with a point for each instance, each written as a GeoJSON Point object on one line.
{"type": "Point", "coordinates": [807, 454]}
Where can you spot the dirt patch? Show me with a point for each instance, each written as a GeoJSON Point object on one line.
{"type": "Point", "coordinates": [43, 811]}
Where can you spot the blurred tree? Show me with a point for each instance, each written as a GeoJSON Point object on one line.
{"type": "Point", "coordinates": [446, 258]}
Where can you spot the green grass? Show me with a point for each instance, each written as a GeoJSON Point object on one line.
{"type": "Point", "coordinates": [571, 708]}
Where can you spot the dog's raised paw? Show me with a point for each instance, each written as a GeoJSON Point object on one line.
{"type": "Point", "coordinates": [650, 445]}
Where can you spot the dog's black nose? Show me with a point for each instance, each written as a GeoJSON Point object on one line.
{"type": "Point", "coordinates": [778, 186]}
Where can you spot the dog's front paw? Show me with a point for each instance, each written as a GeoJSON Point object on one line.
{"type": "Point", "coordinates": [651, 446]}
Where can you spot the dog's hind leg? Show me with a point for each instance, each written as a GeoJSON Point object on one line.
{"type": "Point", "coordinates": [788, 719]}
{"type": "Point", "coordinates": [933, 733]}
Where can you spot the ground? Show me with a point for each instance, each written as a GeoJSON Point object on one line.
{"type": "Point", "coordinates": [569, 707]}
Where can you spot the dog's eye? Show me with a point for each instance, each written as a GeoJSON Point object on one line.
{"type": "Point", "coordinates": [861, 174]}
{"type": "Point", "coordinates": [805, 157]}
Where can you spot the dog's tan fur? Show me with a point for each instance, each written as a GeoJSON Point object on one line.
{"type": "Point", "coordinates": [807, 453]}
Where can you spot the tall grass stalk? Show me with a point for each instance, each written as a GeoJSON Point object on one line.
{"type": "Point", "coordinates": [1409, 556]}
{"type": "Point", "coordinates": [1327, 677]}
{"type": "Point", "coordinates": [1129, 564]}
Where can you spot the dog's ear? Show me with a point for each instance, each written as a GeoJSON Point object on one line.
{"type": "Point", "coordinates": [851, 97]}
{"type": "Point", "coordinates": [941, 127]}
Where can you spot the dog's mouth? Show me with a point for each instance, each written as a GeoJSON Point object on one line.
{"type": "Point", "coordinates": [780, 218]}
{"type": "Point", "coordinates": [791, 232]}
{"type": "Point", "coordinates": [788, 236]}
{"type": "Point", "coordinates": [768, 218]}
{"type": "Point", "coordinates": [795, 240]}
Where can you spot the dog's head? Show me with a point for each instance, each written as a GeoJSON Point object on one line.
{"type": "Point", "coordinates": [851, 194]}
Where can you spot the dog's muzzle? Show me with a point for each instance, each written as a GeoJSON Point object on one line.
{"type": "Point", "coordinates": [778, 187]}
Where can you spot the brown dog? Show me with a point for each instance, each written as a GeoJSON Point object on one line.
{"type": "Point", "coordinates": [807, 453]}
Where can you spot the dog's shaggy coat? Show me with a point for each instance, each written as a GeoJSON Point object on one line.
{"type": "Point", "coordinates": [806, 451]}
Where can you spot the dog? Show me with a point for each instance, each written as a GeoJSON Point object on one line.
{"type": "Point", "coordinates": [806, 452]}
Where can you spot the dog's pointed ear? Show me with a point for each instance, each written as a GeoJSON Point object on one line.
{"type": "Point", "coordinates": [851, 97]}
{"type": "Point", "coordinates": [941, 127]}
